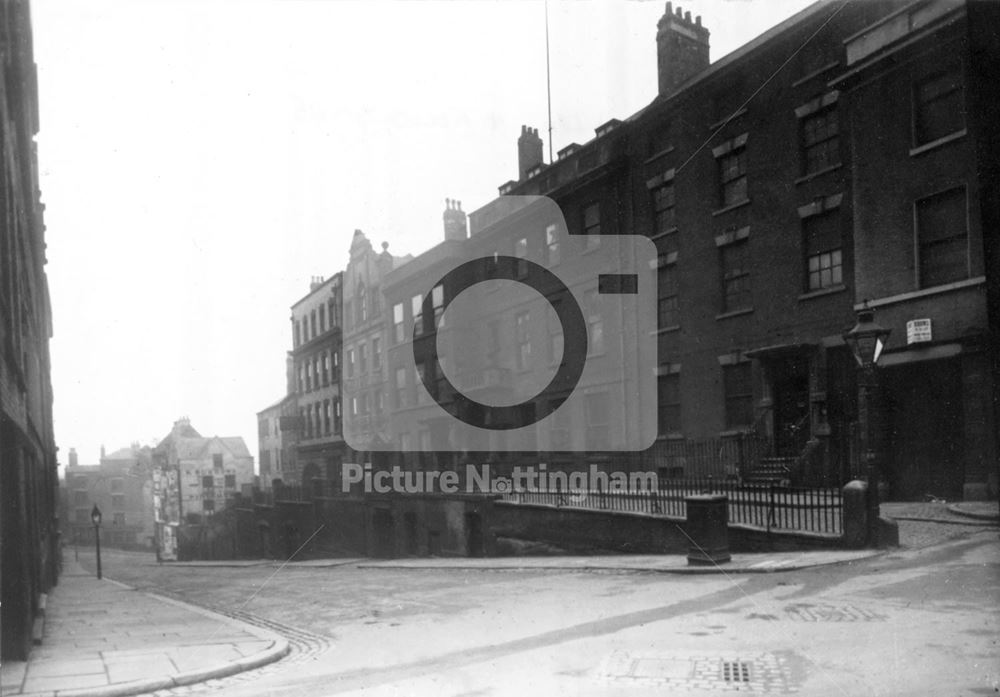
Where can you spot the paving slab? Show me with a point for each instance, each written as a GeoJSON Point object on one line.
{"type": "Point", "coordinates": [104, 638]}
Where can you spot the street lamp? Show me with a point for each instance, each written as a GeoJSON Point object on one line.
{"type": "Point", "coordinates": [866, 341]}
{"type": "Point", "coordinates": [95, 517]}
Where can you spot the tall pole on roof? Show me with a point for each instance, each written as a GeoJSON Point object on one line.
{"type": "Point", "coordinates": [548, 77]}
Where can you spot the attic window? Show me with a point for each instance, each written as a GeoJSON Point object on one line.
{"type": "Point", "coordinates": [568, 150]}
{"type": "Point", "coordinates": [604, 129]}
{"type": "Point", "coordinates": [536, 170]}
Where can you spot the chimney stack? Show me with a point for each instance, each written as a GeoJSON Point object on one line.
{"type": "Point", "coordinates": [103, 455]}
{"type": "Point", "coordinates": [315, 283]}
{"type": "Point", "coordinates": [455, 223]}
{"type": "Point", "coordinates": [681, 49]}
{"type": "Point", "coordinates": [529, 151]}
{"type": "Point", "coordinates": [73, 461]}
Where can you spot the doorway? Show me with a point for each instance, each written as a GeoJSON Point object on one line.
{"type": "Point", "coordinates": [474, 534]}
{"type": "Point", "coordinates": [384, 528]}
{"type": "Point", "coordinates": [924, 453]}
{"type": "Point", "coordinates": [790, 390]}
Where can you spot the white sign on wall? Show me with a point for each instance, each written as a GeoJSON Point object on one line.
{"type": "Point", "coordinates": [918, 331]}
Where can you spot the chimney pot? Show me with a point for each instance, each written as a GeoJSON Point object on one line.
{"type": "Point", "coordinates": [455, 222]}
{"type": "Point", "coordinates": [697, 20]}
{"type": "Point", "coordinates": [529, 151]}
{"type": "Point", "coordinates": [681, 53]}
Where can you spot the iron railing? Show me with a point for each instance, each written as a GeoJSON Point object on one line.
{"type": "Point", "coordinates": [771, 507]}
{"type": "Point", "coordinates": [732, 458]}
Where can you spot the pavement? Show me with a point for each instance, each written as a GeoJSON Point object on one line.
{"type": "Point", "coordinates": [981, 513]}
{"type": "Point", "coordinates": [670, 564]}
{"type": "Point", "coordinates": [103, 638]}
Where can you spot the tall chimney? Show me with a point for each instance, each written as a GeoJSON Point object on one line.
{"type": "Point", "coordinates": [529, 151]}
{"type": "Point", "coordinates": [681, 49]}
{"type": "Point", "coordinates": [455, 224]}
{"type": "Point", "coordinates": [73, 461]}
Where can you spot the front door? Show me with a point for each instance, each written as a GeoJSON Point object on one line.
{"type": "Point", "coordinates": [790, 390]}
{"type": "Point", "coordinates": [924, 454]}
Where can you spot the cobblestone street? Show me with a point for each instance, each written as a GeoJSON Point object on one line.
{"type": "Point", "coordinates": [921, 619]}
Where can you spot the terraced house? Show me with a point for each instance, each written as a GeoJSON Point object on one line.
{"type": "Point", "coordinates": [29, 529]}
{"type": "Point", "coordinates": [840, 159]}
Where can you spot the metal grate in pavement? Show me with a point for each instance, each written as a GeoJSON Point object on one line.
{"type": "Point", "coordinates": [764, 673]}
{"type": "Point", "coordinates": [832, 613]}
{"type": "Point", "coordinates": [736, 671]}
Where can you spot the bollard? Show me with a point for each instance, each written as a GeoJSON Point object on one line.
{"type": "Point", "coordinates": [855, 513]}
{"type": "Point", "coordinates": [708, 529]}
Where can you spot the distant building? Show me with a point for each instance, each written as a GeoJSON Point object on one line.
{"type": "Point", "coordinates": [121, 486]}
{"type": "Point", "coordinates": [410, 419]}
{"type": "Point", "coordinates": [208, 470]}
{"type": "Point", "coordinates": [367, 327]}
{"type": "Point", "coordinates": [315, 382]}
{"type": "Point", "coordinates": [29, 528]}
{"type": "Point", "coordinates": [277, 439]}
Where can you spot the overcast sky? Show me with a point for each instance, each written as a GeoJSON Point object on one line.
{"type": "Point", "coordinates": [200, 161]}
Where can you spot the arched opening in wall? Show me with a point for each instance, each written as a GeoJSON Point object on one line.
{"type": "Point", "coordinates": [310, 475]}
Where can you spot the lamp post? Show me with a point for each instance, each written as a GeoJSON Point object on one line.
{"type": "Point", "coordinates": [866, 341]}
{"type": "Point", "coordinates": [95, 517]}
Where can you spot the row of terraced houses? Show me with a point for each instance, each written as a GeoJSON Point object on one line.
{"type": "Point", "coordinates": [845, 158]}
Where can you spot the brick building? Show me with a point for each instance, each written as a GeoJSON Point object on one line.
{"type": "Point", "coordinates": [29, 526]}
{"type": "Point", "coordinates": [277, 438]}
{"type": "Point", "coordinates": [367, 323]}
{"type": "Point", "coordinates": [315, 381]}
{"type": "Point", "coordinates": [208, 470]}
{"type": "Point", "coordinates": [762, 180]}
{"type": "Point", "coordinates": [917, 87]}
{"type": "Point", "coordinates": [121, 486]}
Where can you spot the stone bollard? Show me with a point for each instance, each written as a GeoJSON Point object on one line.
{"type": "Point", "coordinates": [708, 527]}
{"type": "Point", "coordinates": [855, 513]}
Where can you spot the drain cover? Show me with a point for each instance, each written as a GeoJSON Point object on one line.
{"type": "Point", "coordinates": [832, 613]}
{"type": "Point", "coordinates": [736, 671]}
{"type": "Point", "coordinates": [757, 672]}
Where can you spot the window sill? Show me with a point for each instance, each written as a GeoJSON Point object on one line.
{"type": "Point", "coordinates": [732, 207]}
{"type": "Point", "coordinates": [729, 119]}
{"type": "Point", "coordinates": [734, 432]}
{"type": "Point", "coordinates": [673, 435]}
{"type": "Point", "coordinates": [823, 291]}
{"type": "Point", "coordinates": [816, 73]}
{"type": "Point", "coordinates": [734, 313]}
{"type": "Point", "coordinates": [924, 292]}
{"type": "Point", "coordinates": [921, 149]}
{"type": "Point", "coordinates": [666, 330]}
{"type": "Point", "coordinates": [663, 234]}
{"type": "Point", "coordinates": [657, 155]}
{"type": "Point", "coordinates": [818, 173]}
